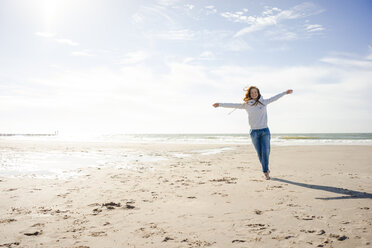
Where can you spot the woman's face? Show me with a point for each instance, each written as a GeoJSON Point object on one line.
{"type": "Point", "coordinates": [254, 94]}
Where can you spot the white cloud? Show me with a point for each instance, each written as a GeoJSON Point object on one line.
{"type": "Point", "coordinates": [45, 34]}
{"type": "Point", "coordinates": [237, 45]}
{"type": "Point", "coordinates": [135, 57]}
{"type": "Point", "coordinates": [210, 9]}
{"type": "Point", "coordinates": [369, 56]}
{"type": "Point", "coordinates": [67, 41]}
{"type": "Point", "coordinates": [137, 18]}
{"type": "Point", "coordinates": [347, 63]}
{"type": "Point", "coordinates": [59, 40]}
{"type": "Point", "coordinates": [178, 34]}
{"type": "Point", "coordinates": [270, 17]}
{"type": "Point", "coordinates": [281, 34]}
{"type": "Point", "coordinates": [206, 55]}
{"type": "Point", "coordinates": [221, 40]}
{"type": "Point", "coordinates": [314, 27]}
{"type": "Point", "coordinates": [167, 2]}
{"type": "Point", "coordinates": [84, 53]}
{"type": "Point", "coordinates": [154, 14]}
{"type": "Point", "coordinates": [270, 11]}
{"type": "Point", "coordinates": [189, 6]}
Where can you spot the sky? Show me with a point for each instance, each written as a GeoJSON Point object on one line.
{"type": "Point", "coordinates": [135, 66]}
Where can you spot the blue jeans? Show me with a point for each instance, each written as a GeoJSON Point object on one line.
{"type": "Point", "coordinates": [261, 141]}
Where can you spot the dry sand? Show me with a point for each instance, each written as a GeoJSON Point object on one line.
{"type": "Point", "coordinates": [319, 196]}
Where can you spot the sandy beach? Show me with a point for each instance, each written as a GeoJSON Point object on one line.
{"type": "Point", "coordinates": [319, 196]}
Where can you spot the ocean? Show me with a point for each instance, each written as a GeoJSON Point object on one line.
{"type": "Point", "coordinates": [276, 139]}
{"type": "Point", "coordinates": [239, 138]}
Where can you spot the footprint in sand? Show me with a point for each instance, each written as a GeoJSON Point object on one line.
{"type": "Point", "coordinates": [238, 241]}
{"type": "Point", "coordinates": [96, 211]}
{"type": "Point", "coordinates": [283, 237]}
{"type": "Point", "coordinates": [154, 195]}
{"type": "Point", "coordinates": [77, 230]}
{"type": "Point", "coordinates": [338, 237]}
{"type": "Point", "coordinates": [7, 221]}
{"type": "Point", "coordinates": [197, 243]}
{"type": "Point", "coordinates": [98, 234]}
{"type": "Point", "coordinates": [44, 210]}
{"type": "Point", "coordinates": [228, 180]}
{"type": "Point", "coordinates": [260, 229]}
{"type": "Point", "coordinates": [166, 239]}
{"type": "Point", "coordinates": [111, 205]}
{"type": "Point", "coordinates": [274, 187]}
{"type": "Point", "coordinates": [94, 205]}
{"type": "Point", "coordinates": [21, 211]}
{"type": "Point", "coordinates": [258, 212]}
{"type": "Point", "coordinates": [257, 180]}
{"type": "Point", "coordinates": [151, 230]}
{"type": "Point", "coordinates": [10, 245]}
{"type": "Point", "coordinates": [220, 194]}
{"type": "Point", "coordinates": [191, 197]}
{"type": "Point", "coordinates": [34, 233]}
{"type": "Point", "coordinates": [9, 190]}
{"type": "Point", "coordinates": [292, 205]}
{"type": "Point", "coordinates": [319, 232]}
{"type": "Point", "coordinates": [38, 224]}
{"type": "Point", "coordinates": [63, 195]}
{"type": "Point", "coordinates": [307, 217]}
{"type": "Point", "coordinates": [258, 226]}
{"type": "Point", "coordinates": [129, 205]}
{"type": "Point", "coordinates": [207, 163]}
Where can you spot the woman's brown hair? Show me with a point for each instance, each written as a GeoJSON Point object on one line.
{"type": "Point", "coordinates": [248, 96]}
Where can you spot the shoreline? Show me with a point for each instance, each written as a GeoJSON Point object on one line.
{"type": "Point", "coordinates": [318, 195]}
{"type": "Point", "coordinates": [282, 139]}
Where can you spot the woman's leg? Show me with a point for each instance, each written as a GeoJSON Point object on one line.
{"type": "Point", "coordinates": [256, 140]}
{"type": "Point", "coordinates": [265, 149]}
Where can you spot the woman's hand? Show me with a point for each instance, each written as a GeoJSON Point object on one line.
{"type": "Point", "coordinates": [216, 105]}
{"type": "Point", "coordinates": [289, 91]}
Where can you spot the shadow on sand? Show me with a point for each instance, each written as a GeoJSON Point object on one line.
{"type": "Point", "coordinates": [347, 194]}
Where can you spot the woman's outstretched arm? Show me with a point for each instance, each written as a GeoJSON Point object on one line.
{"type": "Point", "coordinates": [229, 105]}
{"type": "Point", "coordinates": [274, 98]}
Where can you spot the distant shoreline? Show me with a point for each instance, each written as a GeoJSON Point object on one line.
{"type": "Point", "coordinates": [29, 134]}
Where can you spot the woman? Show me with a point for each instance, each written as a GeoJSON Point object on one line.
{"type": "Point", "coordinates": [255, 106]}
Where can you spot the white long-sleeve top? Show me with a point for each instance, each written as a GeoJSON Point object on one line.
{"type": "Point", "coordinates": [257, 114]}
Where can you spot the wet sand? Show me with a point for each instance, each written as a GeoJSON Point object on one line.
{"type": "Point", "coordinates": [319, 196]}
